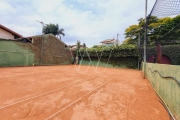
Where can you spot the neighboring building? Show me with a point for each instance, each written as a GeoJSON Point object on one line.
{"type": "Point", "coordinates": [109, 42]}
{"type": "Point", "coordinates": [75, 46]}
{"type": "Point", "coordinates": [6, 33]}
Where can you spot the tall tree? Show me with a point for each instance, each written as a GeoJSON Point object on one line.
{"type": "Point", "coordinates": [131, 34]}
{"type": "Point", "coordinates": [159, 30]}
{"type": "Point", "coordinates": [53, 29]}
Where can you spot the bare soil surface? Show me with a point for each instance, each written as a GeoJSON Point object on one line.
{"type": "Point", "coordinates": [72, 93]}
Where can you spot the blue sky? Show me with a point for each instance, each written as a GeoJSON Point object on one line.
{"type": "Point", "coordinates": [89, 21]}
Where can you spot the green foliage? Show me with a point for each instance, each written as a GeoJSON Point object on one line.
{"type": "Point", "coordinates": [128, 55]}
{"type": "Point", "coordinates": [78, 44]}
{"type": "Point", "coordinates": [53, 29]}
{"type": "Point", "coordinates": [159, 30]}
{"type": "Point", "coordinates": [84, 45]}
{"type": "Point", "coordinates": [95, 46]}
{"type": "Point", "coordinates": [171, 51]}
{"type": "Point", "coordinates": [98, 46]}
{"type": "Point", "coordinates": [116, 51]}
{"type": "Point", "coordinates": [127, 62]}
{"type": "Point", "coordinates": [132, 32]}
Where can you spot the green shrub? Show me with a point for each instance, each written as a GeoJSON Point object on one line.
{"type": "Point", "coordinates": [128, 55]}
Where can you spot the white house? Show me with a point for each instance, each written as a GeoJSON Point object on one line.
{"type": "Point", "coordinates": [109, 42]}
{"type": "Point", "coordinates": [6, 33]}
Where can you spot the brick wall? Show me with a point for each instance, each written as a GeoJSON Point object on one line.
{"type": "Point", "coordinates": [49, 49]}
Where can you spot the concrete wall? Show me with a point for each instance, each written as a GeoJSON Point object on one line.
{"type": "Point", "coordinates": [5, 34]}
{"type": "Point", "coordinates": [50, 50]}
{"type": "Point", "coordinates": [11, 54]}
{"type": "Point", "coordinates": [45, 50]}
{"type": "Point", "coordinates": [166, 81]}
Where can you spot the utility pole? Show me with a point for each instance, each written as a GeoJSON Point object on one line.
{"type": "Point", "coordinates": [145, 38]}
{"type": "Point", "coordinates": [117, 39]}
{"type": "Point", "coordinates": [41, 42]}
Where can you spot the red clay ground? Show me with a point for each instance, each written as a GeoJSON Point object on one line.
{"type": "Point", "coordinates": [63, 93]}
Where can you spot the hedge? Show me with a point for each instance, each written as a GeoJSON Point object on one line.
{"type": "Point", "coordinates": [128, 55]}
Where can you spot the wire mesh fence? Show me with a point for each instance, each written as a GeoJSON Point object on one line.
{"type": "Point", "coordinates": [163, 8]}
{"type": "Point", "coordinates": [166, 22]}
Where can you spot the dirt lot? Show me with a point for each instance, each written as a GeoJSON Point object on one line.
{"type": "Point", "coordinates": [69, 93]}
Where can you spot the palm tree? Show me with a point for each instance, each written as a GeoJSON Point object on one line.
{"type": "Point", "coordinates": [78, 45]}
{"type": "Point", "coordinates": [60, 32]}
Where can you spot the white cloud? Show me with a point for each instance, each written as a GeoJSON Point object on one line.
{"type": "Point", "coordinates": [4, 7]}
{"type": "Point", "coordinates": [90, 21]}
{"type": "Point", "coordinates": [47, 6]}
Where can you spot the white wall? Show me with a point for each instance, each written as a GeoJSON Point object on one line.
{"type": "Point", "coordinates": [6, 34]}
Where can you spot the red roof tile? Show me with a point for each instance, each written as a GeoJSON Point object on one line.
{"type": "Point", "coordinates": [7, 29]}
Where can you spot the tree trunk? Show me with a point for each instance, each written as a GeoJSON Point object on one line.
{"type": "Point", "coordinates": [60, 37]}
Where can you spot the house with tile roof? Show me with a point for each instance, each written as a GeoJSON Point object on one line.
{"type": "Point", "coordinates": [109, 42]}
{"type": "Point", "coordinates": [6, 33]}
